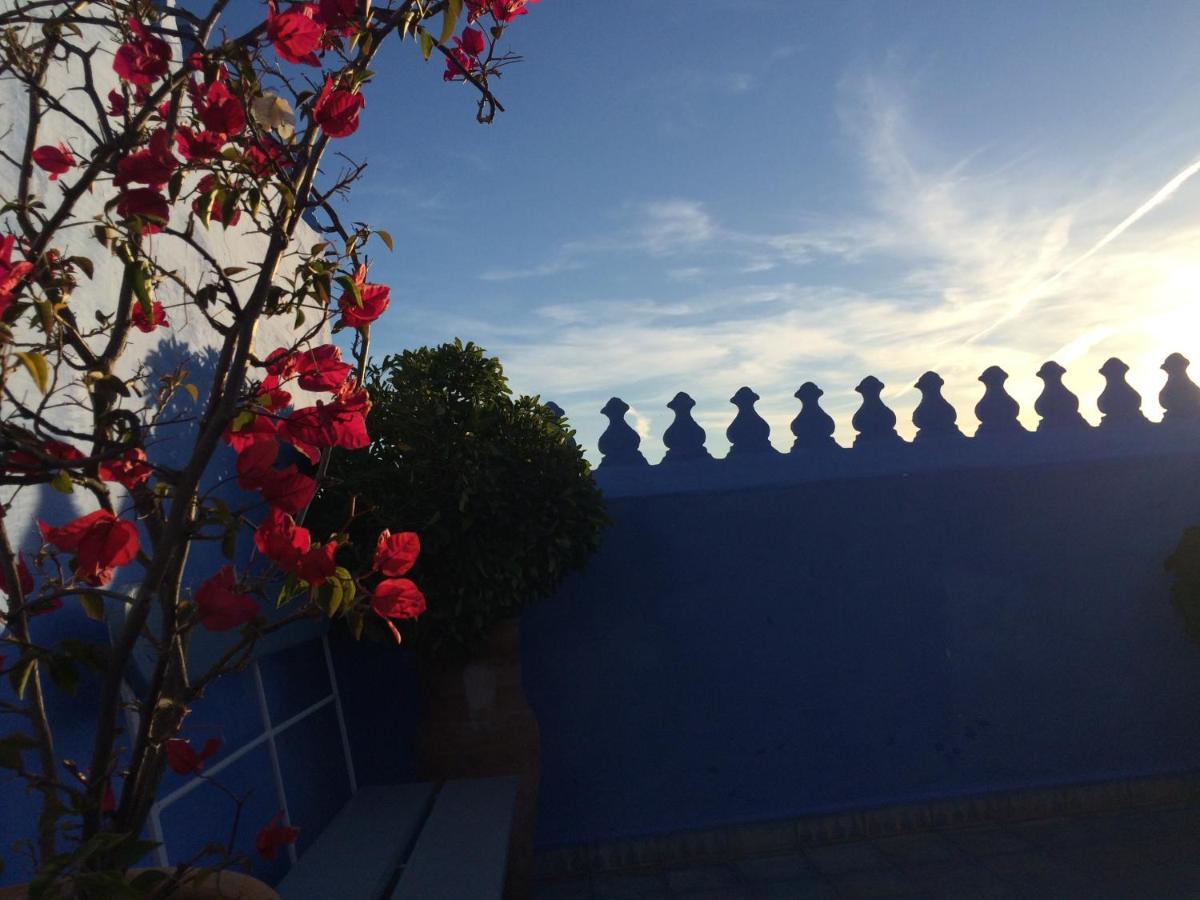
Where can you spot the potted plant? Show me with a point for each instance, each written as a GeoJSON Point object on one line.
{"type": "Point", "coordinates": [152, 139]}
{"type": "Point", "coordinates": [506, 507]}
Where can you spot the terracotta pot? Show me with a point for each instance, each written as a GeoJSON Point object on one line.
{"type": "Point", "coordinates": [220, 886]}
{"type": "Point", "coordinates": [477, 723]}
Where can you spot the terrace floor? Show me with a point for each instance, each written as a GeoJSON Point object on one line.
{"type": "Point", "coordinates": [1127, 854]}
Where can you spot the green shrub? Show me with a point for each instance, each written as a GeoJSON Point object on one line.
{"type": "Point", "coordinates": [497, 489]}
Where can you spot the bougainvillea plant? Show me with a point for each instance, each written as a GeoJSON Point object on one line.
{"type": "Point", "coordinates": [148, 136]}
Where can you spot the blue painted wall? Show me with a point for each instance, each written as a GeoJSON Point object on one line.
{"type": "Point", "coordinates": [814, 643]}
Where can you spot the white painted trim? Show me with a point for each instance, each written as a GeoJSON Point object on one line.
{"type": "Point", "coordinates": [337, 705]}
{"type": "Point", "coordinates": [272, 750]}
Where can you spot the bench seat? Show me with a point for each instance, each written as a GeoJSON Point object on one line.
{"type": "Point", "coordinates": [414, 840]}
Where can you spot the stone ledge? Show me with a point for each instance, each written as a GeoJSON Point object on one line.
{"type": "Point", "coordinates": [714, 845]}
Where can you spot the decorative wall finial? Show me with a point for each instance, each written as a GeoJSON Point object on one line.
{"type": "Point", "coordinates": [874, 422]}
{"type": "Point", "coordinates": [619, 443]}
{"type": "Point", "coordinates": [934, 417]}
{"type": "Point", "coordinates": [997, 411]}
{"type": "Point", "coordinates": [813, 427]}
{"type": "Point", "coordinates": [748, 432]}
{"type": "Point", "coordinates": [1057, 406]}
{"type": "Point", "coordinates": [684, 438]}
{"type": "Point", "coordinates": [1180, 397]}
{"type": "Point", "coordinates": [1119, 402]}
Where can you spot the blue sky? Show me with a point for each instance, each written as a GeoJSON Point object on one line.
{"type": "Point", "coordinates": [767, 192]}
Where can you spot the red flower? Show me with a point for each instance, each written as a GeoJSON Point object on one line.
{"type": "Point", "coordinates": [254, 461]}
{"type": "Point", "coordinates": [341, 423]}
{"type": "Point", "coordinates": [295, 33]}
{"type": "Point", "coordinates": [373, 300]}
{"type": "Point", "coordinates": [261, 428]}
{"type": "Point", "coordinates": [471, 42]}
{"type": "Point", "coordinates": [152, 166]}
{"type": "Point", "coordinates": [281, 362]}
{"type": "Point", "coordinates": [148, 323]}
{"type": "Point", "coordinates": [218, 108]}
{"type": "Point", "coordinates": [501, 10]}
{"type": "Point", "coordinates": [147, 205]}
{"type": "Point", "coordinates": [270, 396]}
{"type": "Point", "coordinates": [11, 274]}
{"type": "Point", "coordinates": [397, 598]}
{"type": "Point", "coordinates": [183, 760]}
{"type": "Point", "coordinates": [339, 15]}
{"type": "Point", "coordinates": [396, 553]}
{"type": "Point", "coordinates": [23, 461]}
{"type": "Point", "coordinates": [24, 580]}
{"type": "Point", "coordinates": [336, 110]}
{"type": "Point", "coordinates": [321, 368]}
{"type": "Point", "coordinates": [100, 542]}
{"type": "Point", "coordinates": [272, 836]}
{"type": "Point", "coordinates": [143, 58]}
{"type": "Point", "coordinates": [55, 160]}
{"type": "Point", "coordinates": [287, 489]}
{"type": "Point", "coordinates": [216, 208]}
{"type": "Point", "coordinates": [219, 607]}
{"type": "Point", "coordinates": [116, 103]}
{"type": "Point", "coordinates": [458, 64]}
{"type": "Point", "coordinates": [130, 470]}
{"type": "Point", "coordinates": [198, 146]}
{"type": "Point", "coordinates": [281, 540]}
{"type": "Point", "coordinates": [318, 564]}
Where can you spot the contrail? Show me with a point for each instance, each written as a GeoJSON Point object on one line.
{"type": "Point", "coordinates": [1160, 196]}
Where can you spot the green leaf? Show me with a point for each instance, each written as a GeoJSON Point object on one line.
{"type": "Point", "coordinates": [93, 606]}
{"type": "Point", "coordinates": [229, 543]}
{"type": "Point", "coordinates": [84, 265]}
{"type": "Point", "coordinates": [61, 482]}
{"type": "Point", "coordinates": [141, 287]}
{"type": "Point", "coordinates": [20, 674]}
{"type": "Point", "coordinates": [427, 44]}
{"type": "Point", "coordinates": [193, 392]}
{"type": "Point", "coordinates": [450, 19]}
{"type": "Point", "coordinates": [64, 674]}
{"type": "Point", "coordinates": [38, 368]}
{"type": "Point", "coordinates": [386, 237]}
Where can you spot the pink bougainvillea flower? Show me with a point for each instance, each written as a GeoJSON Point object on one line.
{"type": "Point", "coordinates": [296, 34]}
{"type": "Point", "coordinates": [183, 760]}
{"type": "Point", "coordinates": [23, 461]}
{"type": "Point", "coordinates": [146, 205]}
{"type": "Point", "coordinates": [336, 109]}
{"type": "Point", "coordinates": [501, 10]}
{"type": "Point", "coordinates": [143, 58]}
{"type": "Point", "coordinates": [116, 104]}
{"type": "Point", "coordinates": [216, 206]}
{"type": "Point", "coordinates": [273, 836]}
{"type": "Point", "coordinates": [270, 396]}
{"type": "Point", "coordinates": [254, 461]}
{"type": "Point", "coordinates": [265, 156]}
{"type": "Point", "coordinates": [472, 41]}
{"type": "Point", "coordinates": [341, 423]}
{"type": "Point", "coordinates": [321, 368]}
{"type": "Point", "coordinates": [260, 428]}
{"type": "Point", "coordinates": [372, 301]}
{"type": "Point", "coordinates": [396, 553]}
{"type": "Point", "coordinates": [130, 470]}
{"type": "Point", "coordinates": [11, 273]}
{"type": "Point", "coordinates": [148, 322]}
{"type": "Point", "coordinates": [281, 540]}
{"type": "Point", "coordinates": [317, 565]}
{"type": "Point", "coordinates": [281, 362]}
{"type": "Point", "coordinates": [54, 160]}
{"type": "Point", "coordinates": [287, 489]}
{"type": "Point", "coordinates": [152, 167]}
{"type": "Point", "coordinates": [459, 64]}
{"type": "Point", "coordinates": [220, 608]}
{"type": "Point", "coordinates": [198, 146]}
{"type": "Point", "coordinates": [397, 598]}
{"type": "Point", "coordinates": [100, 541]}
{"type": "Point", "coordinates": [24, 579]}
{"type": "Point", "coordinates": [217, 107]}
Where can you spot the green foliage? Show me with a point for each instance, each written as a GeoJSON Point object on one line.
{"type": "Point", "coordinates": [1184, 564]}
{"type": "Point", "coordinates": [501, 496]}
